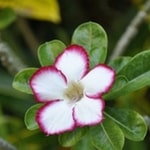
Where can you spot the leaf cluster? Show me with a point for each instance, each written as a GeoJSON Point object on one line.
{"type": "Point", "coordinates": [132, 73]}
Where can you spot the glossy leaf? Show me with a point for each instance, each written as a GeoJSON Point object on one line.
{"type": "Point", "coordinates": [93, 38]}
{"type": "Point", "coordinates": [30, 121]}
{"type": "Point", "coordinates": [21, 80]}
{"type": "Point", "coordinates": [131, 123]}
{"type": "Point", "coordinates": [7, 16]}
{"type": "Point", "coordinates": [71, 138]}
{"type": "Point", "coordinates": [48, 51]}
{"type": "Point", "coordinates": [37, 9]}
{"type": "Point", "coordinates": [137, 74]}
{"type": "Point", "coordinates": [137, 66]}
{"type": "Point", "coordinates": [118, 63]}
{"type": "Point", "coordinates": [84, 144]}
{"type": "Point", "coordinates": [107, 136]}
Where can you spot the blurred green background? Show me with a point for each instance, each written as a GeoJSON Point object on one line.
{"type": "Point", "coordinates": [26, 25]}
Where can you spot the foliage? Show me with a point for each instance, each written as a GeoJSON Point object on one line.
{"type": "Point", "coordinates": [7, 16]}
{"type": "Point", "coordinates": [128, 102]}
{"type": "Point", "coordinates": [117, 123]}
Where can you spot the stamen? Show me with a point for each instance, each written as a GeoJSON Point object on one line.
{"type": "Point", "coordinates": [74, 91]}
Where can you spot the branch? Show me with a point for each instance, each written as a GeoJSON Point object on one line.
{"type": "Point", "coordinates": [9, 59]}
{"type": "Point", "coordinates": [28, 35]}
{"type": "Point", "coordinates": [131, 31]}
{"type": "Point", "coordinates": [5, 145]}
{"type": "Point", "coordinates": [147, 120]}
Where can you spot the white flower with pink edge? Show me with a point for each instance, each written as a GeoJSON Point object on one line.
{"type": "Point", "coordinates": [71, 93]}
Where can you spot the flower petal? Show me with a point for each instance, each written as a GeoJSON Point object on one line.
{"type": "Point", "coordinates": [48, 83]}
{"type": "Point", "coordinates": [88, 111]}
{"type": "Point", "coordinates": [98, 80]}
{"type": "Point", "coordinates": [73, 62]}
{"type": "Point", "coordinates": [55, 118]}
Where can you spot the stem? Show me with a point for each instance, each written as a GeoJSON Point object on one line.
{"type": "Point", "coordinates": [131, 31]}
{"type": "Point", "coordinates": [28, 35]}
{"type": "Point", "coordinates": [9, 59]}
{"type": "Point", "coordinates": [147, 120]}
{"type": "Point", "coordinates": [4, 145]}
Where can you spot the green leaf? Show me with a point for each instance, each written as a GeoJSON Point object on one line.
{"type": "Point", "coordinates": [120, 82]}
{"type": "Point", "coordinates": [84, 144]}
{"type": "Point", "coordinates": [137, 66]}
{"type": "Point", "coordinates": [71, 138]}
{"type": "Point", "coordinates": [118, 63]}
{"type": "Point", "coordinates": [93, 38]}
{"type": "Point", "coordinates": [107, 136]}
{"type": "Point", "coordinates": [48, 52]}
{"type": "Point", "coordinates": [136, 72]}
{"type": "Point", "coordinates": [7, 16]}
{"type": "Point", "coordinates": [21, 80]}
{"type": "Point", "coordinates": [131, 123]}
{"type": "Point", "coordinates": [30, 121]}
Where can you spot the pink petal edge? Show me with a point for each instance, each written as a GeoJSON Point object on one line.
{"type": "Point", "coordinates": [40, 71]}
{"type": "Point", "coordinates": [108, 87]}
{"type": "Point", "coordinates": [113, 77]}
{"type": "Point", "coordinates": [43, 129]}
{"type": "Point", "coordinates": [66, 64]}
{"type": "Point", "coordinates": [92, 123]}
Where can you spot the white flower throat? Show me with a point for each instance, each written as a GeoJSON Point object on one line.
{"type": "Point", "coordinates": [74, 91]}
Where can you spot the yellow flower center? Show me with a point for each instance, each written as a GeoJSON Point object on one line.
{"type": "Point", "coordinates": [74, 91]}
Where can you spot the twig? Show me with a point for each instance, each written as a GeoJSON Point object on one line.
{"type": "Point", "coordinates": [28, 35]}
{"type": "Point", "coordinates": [4, 145]}
{"type": "Point", "coordinates": [147, 120]}
{"type": "Point", "coordinates": [9, 59]}
{"type": "Point", "coordinates": [131, 31]}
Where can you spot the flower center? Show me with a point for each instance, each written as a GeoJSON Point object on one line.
{"type": "Point", "coordinates": [74, 91]}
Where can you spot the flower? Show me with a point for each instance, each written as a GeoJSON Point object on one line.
{"type": "Point", "coordinates": [72, 95]}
